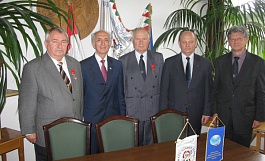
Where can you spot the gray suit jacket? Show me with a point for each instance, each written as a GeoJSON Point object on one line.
{"type": "Point", "coordinates": [142, 97]}
{"type": "Point", "coordinates": [44, 97]}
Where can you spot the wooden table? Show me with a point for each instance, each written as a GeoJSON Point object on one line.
{"type": "Point", "coordinates": [166, 152]}
{"type": "Point", "coordinates": [11, 140]}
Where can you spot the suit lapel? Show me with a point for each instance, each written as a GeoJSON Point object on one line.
{"type": "Point", "coordinates": [110, 70]}
{"type": "Point", "coordinates": [149, 74]}
{"type": "Point", "coordinates": [72, 71]}
{"type": "Point", "coordinates": [95, 69]}
{"type": "Point", "coordinates": [180, 68]}
{"type": "Point", "coordinates": [244, 68]}
{"type": "Point", "coordinates": [196, 70]}
{"type": "Point", "coordinates": [148, 67]}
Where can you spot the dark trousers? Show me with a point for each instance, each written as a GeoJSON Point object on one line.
{"type": "Point", "coordinates": [40, 152]}
{"type": "Point", "coordinates": [145, 133]}
{"type": "Point", "coordinates": [243, 138]}
{"type": "Point", "coordinates": [94, 149]}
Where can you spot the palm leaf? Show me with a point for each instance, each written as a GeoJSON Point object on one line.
{"type": "Point", "coordinates": [18, 20]}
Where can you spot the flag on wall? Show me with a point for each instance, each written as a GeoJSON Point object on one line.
{"type": "Point", "coordinates": [146, 22]}
{"type": "Point", "coordinates": [121, 37]}
{"type": "Point", "coordinates": [75, 48]}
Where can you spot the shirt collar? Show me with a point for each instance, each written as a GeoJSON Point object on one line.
{"type": "Point", "coordinates": [241, 56]}
{"type": "Point", "coordinates": [138, 56]}
{"type": "Point", "coordinates": [184, 57]}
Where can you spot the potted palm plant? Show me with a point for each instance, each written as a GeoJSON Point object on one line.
{"type": "Point", "coordinates": [18, 19]}
{"type": "Point", "coordinates": [213, 21]}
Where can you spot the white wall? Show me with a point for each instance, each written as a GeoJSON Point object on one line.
{"type": "Point", "coordinates": [130, 12]}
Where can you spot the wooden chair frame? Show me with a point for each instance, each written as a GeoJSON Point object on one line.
{"type": "Point", "coordinates": [166, 111]}
{"type": "Point", "coordinates": [64, 120]}
{"type": "Point", "coordinates": [117, 117]}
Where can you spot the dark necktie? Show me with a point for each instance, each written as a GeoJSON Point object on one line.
{"type": "Point", "coordinates": [142, 66]}
{"type": "Point", "coordinates": [64, 76]}
{"type": "Point", "coordinates": [188, 72]}
{"type": "Point", "coordinates": [235, 67]}
{"type": "Point", "coordinates": [104, 70]}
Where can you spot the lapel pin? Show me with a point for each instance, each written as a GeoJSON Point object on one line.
{"type": "Point", "coordinates": [73, 73]}
{"type": "Point", "coordinates": [153, 69]}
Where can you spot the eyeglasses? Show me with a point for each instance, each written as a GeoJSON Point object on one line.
{"type": "Point", "coordinates": [239, 39]}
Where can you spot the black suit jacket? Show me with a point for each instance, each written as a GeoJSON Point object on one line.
{"type": "Point", "coordinates": [175, 93]}
{"type": "Point", "coordinates": [245, 97]}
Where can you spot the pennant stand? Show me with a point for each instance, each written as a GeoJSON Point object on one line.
{"type": "Point", "coordinates": [186, 148]}
{"type": "Point", "coordinates": [215, 140]}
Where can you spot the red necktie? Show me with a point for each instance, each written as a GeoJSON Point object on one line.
{"type": "Point", "coordinates": [64, 76]}
{"type": "Point", "coordinates": [103, 70]}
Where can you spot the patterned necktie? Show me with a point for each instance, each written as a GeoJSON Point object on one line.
{"type": "Point", "coordinates": [104, 70]}
{"type": "Point", "coordinates": [142, 66]}
{"type": "Point", "coordinates": [64, 76]}
{"type": "Point", "coordinates": [188, 72]}
{"type": "Point", "coordinates": [235, 67]}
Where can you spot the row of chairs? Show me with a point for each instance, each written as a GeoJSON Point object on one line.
{"type": "Point", "coordinates": [69, 137]}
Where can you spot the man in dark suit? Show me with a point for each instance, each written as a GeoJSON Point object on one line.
{"type": "Point", "coordinates": [44, 96]}
{"type": "Point", "coordinates": [239, 88]}
{"type": "Point", "coordinates": [103, 85]}
{"type": "Point", "coordinates": [186, 83]}
{"type": "Point", "coordinates": [142, 92]}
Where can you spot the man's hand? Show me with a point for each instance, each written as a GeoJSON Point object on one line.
{"type": "Point", "coordinates": [205, 119]}
{"type": "Point", "coordinates": [32, 138]}
{"type": "Point", "coordinates": [256, 124]}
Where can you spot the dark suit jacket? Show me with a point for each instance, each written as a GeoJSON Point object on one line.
{"type": "Point", "coordinates": [101, 99]}
{"type": "Point", "coordinates": [142, 97]}
{"type": "Point", "coordinates": [175, 93]}
{"type": "Point", "coordinates": [44, 97]}
{"type": "Point", "coordinates": [245, 98]}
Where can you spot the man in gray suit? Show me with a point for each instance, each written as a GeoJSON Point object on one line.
{"type": "Point", "coordinates": [44, 96]}
{"type": "Point", "coordinates": [142, 73]}
{"type": "Point", "coordinates": [239, 88]}
{"type": "Point", "coordinates": [186, 83]}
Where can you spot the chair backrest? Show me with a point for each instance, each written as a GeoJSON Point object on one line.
{"type": "Point", "coordinates": [168, 124]}
{"type": "Point", "coordinates": [67, 138]}
{"type": "Point", "coordinates": [117, 132]}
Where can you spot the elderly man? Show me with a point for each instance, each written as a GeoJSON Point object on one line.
{"type": "Point", "coordinates": [51, 88]}
{"type": "Point", "coordinates": [103, 85]}
{"type": "Point", "coordinates": [142, 75]}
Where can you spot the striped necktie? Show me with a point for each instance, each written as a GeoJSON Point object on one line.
{"type": "Point", "coordinates": [64, 76]}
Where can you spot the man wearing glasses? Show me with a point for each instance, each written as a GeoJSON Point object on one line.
{"type": "Point", "coordinates": [238, 96]}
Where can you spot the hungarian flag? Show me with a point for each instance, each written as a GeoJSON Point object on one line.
{"type": "Point", "coordinates": [75, 48]}
{"type": "Point", "coordinates": [110, 21]}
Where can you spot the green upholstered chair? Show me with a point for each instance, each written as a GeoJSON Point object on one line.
{"type": "Point", "coordinates": [117, 132]}
{"type": "Point", "coordinates": [167, 125]}
{"type": "Point", "coordinates": [67, 138]}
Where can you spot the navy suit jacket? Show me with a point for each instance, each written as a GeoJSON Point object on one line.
{"type": "Point", "coordinates": [101, 99]}
{"type": "Point", "coordinates": [175, 93]}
